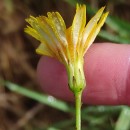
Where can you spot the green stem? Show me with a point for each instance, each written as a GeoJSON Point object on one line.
{"type": "Point", "coordinates": [78, 110]}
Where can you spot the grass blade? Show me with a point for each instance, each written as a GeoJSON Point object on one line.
{"type": "Point", "coordinates": [123, 122]}
{"type": "Point", "coordinates": [45, 99]}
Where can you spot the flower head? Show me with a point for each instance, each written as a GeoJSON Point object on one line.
{"type": "Point", "coordinates": [68, 45]}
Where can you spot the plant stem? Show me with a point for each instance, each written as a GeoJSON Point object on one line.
{"type": "Point", "coordinates": [78, 110]}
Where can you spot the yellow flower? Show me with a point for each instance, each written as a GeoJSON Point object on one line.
{"type": "Point", "coordinates": [67, 45]}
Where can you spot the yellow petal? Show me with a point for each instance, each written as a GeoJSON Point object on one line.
{"type": "Point", "coordinates": [95, 31]}
{"type": "Point", "coordinates": [45, 32]}
{"type": "Point", "coordinates": [32, 32]}
{"type": "Point", "coordinates": [68, 34]}
{"type": "Point", "coordinates": [58, 26]}
{"type": "Point", "coordinates": [44, 50]}
{"type": "Point", "coordinates": [78, 24]}
{"type": "Point", "coordinates": [31, 20]}
{"type": "Point", "coordinates": [91, 24]}
{"type": "Point", "coordinates": [59, 29]}
{"type": "Point", "coordinates": [51, 31]}
{"type": "Point", "coordinates": [70, 44]}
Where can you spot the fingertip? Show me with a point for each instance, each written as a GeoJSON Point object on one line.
{"type": "Point", "coordinates": [107, 71]}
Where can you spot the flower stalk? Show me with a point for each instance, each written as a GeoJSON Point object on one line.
{"type": "Point", "coordinates": [78, 104]}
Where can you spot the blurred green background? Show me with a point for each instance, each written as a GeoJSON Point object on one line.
{"type": "Point", "coordinates": [22, 106]}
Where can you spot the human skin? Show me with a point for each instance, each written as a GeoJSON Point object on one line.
{"type": "Point", "coordinates": [107, 72]}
